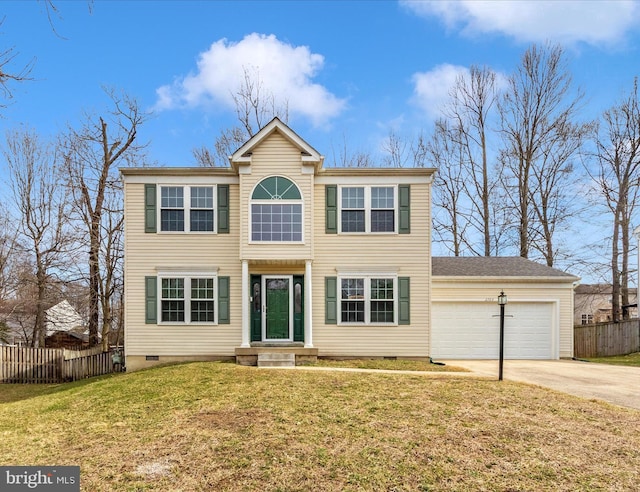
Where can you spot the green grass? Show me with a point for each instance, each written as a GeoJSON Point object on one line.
{"type": "Point", "coordinates": [620, 360]}
{"type": "Point", "coordinates": [388, 364]}
{"type": "Point", "coordinates": [222, 427]}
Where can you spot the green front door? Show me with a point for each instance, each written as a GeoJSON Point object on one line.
{"type": "Point", "coordinates": [277, 322]}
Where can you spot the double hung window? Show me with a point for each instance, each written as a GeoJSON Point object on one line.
{"type": "Point", "coordinates": [187, 300]}
{"type": "Point", "coordinates": [367, 209]}
{"type": "Point", "coordinates": [187, 208]}
{"type": "Point", "coordinates": [353, 209]}
{"type": "Point", "coordinates": [201, 213]}
{"type": "Point", "coordinates": [368, 300]}
{"type": "Point", "coordinates": [172, 208]}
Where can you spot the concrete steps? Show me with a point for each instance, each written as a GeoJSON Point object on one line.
{"type": "Point", "coordinates": [276, 359]}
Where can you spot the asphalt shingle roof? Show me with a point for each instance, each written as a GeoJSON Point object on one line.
{"type": "Point", "coordinates": [490, 266]}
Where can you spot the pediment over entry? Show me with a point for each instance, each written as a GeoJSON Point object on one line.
{"type": "Point", "coordinates": [309, 155]}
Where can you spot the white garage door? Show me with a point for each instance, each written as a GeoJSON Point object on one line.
{"type": "Point", "coordinates": [472, 330]}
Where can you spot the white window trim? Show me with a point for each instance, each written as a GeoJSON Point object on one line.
{"type": "Point", "coordinates": [187, 207]}
{"type": "Point", "coordinates": [187, 276]}
{"type": "Point", "coordinates": [368, 209]}
{"type": "Point", "coordinates": [367, 298]}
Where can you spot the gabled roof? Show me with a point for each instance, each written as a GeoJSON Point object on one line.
{"type": "Point", "coordinates": [491, 266]}
{"type": "Point", "coordinates": [594, 289]}
{"type": "Point", "coordinates": [63, 317]}
{"type": "Point", "coordinates": [599, 289]}
{"type": "Point", "coordinates": [308, 153]}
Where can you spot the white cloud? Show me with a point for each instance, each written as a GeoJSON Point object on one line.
{"type": "Point", "coordinates": [431, 89]}
{"type": "Point", "coordinates": [285, 71]}
{"type": "Point", "coordinates": [564, 21]}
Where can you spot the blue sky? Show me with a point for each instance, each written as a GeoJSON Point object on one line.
{"type": "Point", "coordinates": [350, 70]}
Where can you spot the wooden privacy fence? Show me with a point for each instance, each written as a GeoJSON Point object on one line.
{"type": "Point", "coordinates": [606, 339]}
{"type": "Point", "coordinates": [46, 365]}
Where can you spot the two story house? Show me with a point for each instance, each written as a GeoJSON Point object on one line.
{"type": "Point", "coordinates": [593, 304]}
{"type": "Point", "coordinates": [279, 253]}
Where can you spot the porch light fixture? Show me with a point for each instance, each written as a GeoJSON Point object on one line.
{"type": "Point", "coordinates": [502, 302]}
{"type": "Point", "coordinates": [502, 298]}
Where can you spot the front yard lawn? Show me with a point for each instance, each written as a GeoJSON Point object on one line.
{"type": "Point", "coordinates": [388, 364]}
{"type": "Point", "coordinates": [620, 360]}
{"type": "Point", "coordinates": [223, 427]}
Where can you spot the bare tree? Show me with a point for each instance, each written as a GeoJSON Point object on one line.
{"type": "Point", "coordinates": [92, 154]}
{"type": "Point", "coordinates": [537, 106]}
{"type": "Point", "coordinates": [345, 157]}
{"type": "Point", "coordinates": [8, 249]}
{"type": "Point", "coordinates": [8, 258]}
{"type": "Point", "coordinates": [395, 150]}
{"type": "Point", "coordinates": [403, 152]}
{"type": "Point", "coordinates": [255, 107]}
{"type": "Point", "coordinates": [111, 264]}
{"type": "Point", "coordinates": [450, 220]}
{"type": "Point", "coordinates": [419, 150]}
{"type": "Point", "coordinates": [9, 75]}
{"type": "Point", "coordinates": [43, 208]}
{"type": "Point", "coordinates": [553, 194]}
{"type": "Point", "coordinates": [472, 100]}
{"type": "Point", "coordinates": [617, 143]}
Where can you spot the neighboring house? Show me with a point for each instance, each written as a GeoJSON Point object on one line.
{"type": "Point", "coordinates": [67, 339]}
{"type": "Point", "coordinates": [63, 317]}
{"type": "Point", "coordinates": [593, 304]}
{"type": "Point", "coordinates": [277, 250]}
{"type": "Point", "coordinates": [65, 327]}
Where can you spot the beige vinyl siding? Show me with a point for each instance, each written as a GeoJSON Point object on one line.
{"type": "Point", "coordinates": [145, 254]}
{"type": "Point", "coordinates": [517, 290]}
{"type": "Point", "coordinates": [276, 156]}
{"type": "Point", "coordinates": [407, 254]}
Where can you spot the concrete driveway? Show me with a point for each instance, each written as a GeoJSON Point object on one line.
{"type": "Point", "coordinates": [619, 385]}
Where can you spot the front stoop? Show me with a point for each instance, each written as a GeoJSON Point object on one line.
{"type": "Point", "coordinates": [276, 360]}
{"type": "Point", "coordinates": [248, 356]}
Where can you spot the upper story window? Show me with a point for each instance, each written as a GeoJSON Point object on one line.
{"type": "Point", "coordinates": [368, 209]}
{"type": "Point", "coordinates": [187, 208]}
{"type": "Point", "coordinates": [587, 319]}
{"type": "Point", "coordinates": [276, 211]}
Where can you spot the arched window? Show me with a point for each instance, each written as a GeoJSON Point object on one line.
{"type": "Point", "coordinates": [276, 211]}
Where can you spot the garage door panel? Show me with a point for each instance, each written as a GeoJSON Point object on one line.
{"type": "Point", "coordinates": [472, 330]}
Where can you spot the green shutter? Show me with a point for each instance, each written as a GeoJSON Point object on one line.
{"type": "Point", "coordinates": [151, 300]}
{"type": "Point", "coordinates": [404, 298]}
{"type": "Point", "coordinates": [404, 198]}
{"type": "Point", "coordinates": [331, 300]}
{"type": "Point", "coordinates": [331, 206]}
{"type": "Point", "coordinates": [223, 301]}
{"type": "Point", "coordinates": [223, 209]}
{"type": "Point", "coordinates": [149, 208]}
